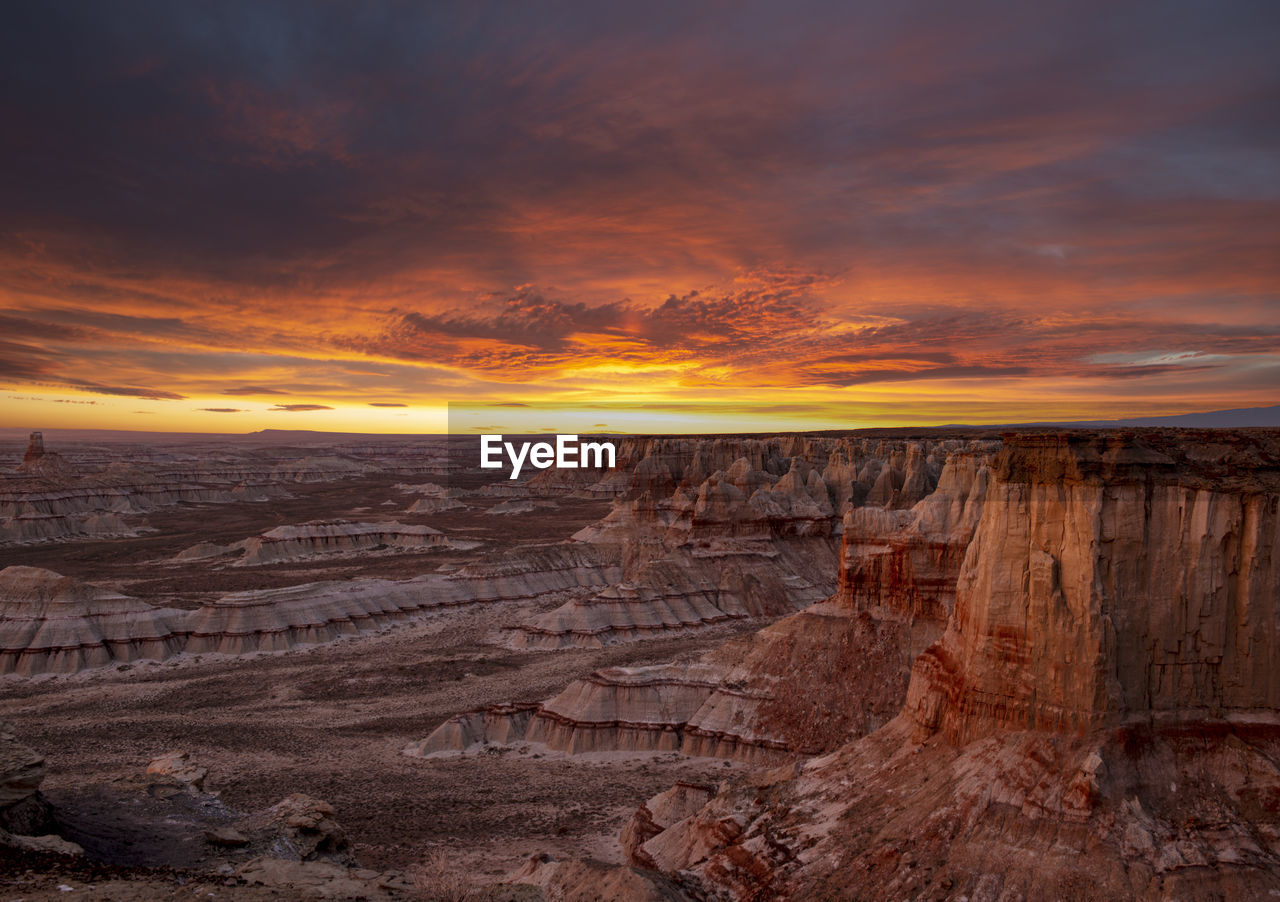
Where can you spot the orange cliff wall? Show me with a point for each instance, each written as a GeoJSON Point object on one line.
{"type": "Point", "coordinates": [902, 566]}
{"type": "Point", "coordinates": [1113, 579]}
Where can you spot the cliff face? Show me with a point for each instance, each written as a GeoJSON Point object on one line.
{"type": "Point", "coordinates": [802, 686]}
{"type": "Point", "coordinates": [1098, 720]}
{"type": "Point", "coordinates": [902, 566]}
{"type": "Point", "coordinates": [1112, 581]}
{"type": "Point", "coordinates": [732, 528]}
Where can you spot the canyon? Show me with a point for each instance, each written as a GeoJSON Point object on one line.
{"type": "Point", "coordinates": [949, 665]}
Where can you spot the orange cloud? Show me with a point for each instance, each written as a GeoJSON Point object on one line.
{"type": "Point", "coordinates": [882, 214]}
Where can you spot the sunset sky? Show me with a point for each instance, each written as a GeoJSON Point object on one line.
{"type": "Point", "coordinates": [228, 217]}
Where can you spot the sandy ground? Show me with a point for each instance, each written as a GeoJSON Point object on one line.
{"type": "Point", "coordinates": [331, 721]}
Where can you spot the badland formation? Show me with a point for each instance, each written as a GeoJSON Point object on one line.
{"type": "Point", "coordinates": [949, 665]}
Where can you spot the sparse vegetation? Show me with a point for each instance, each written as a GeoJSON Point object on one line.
{"type": "Point", "coordinates": [440, 880]}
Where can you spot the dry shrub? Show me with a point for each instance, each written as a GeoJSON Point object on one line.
{"type": "Point", "coordinates": [439, 880]}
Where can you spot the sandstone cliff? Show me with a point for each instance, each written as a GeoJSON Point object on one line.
{"type": "Point", "coordinates": [1099, 719]}
{"type": "Point", "coordinates": [1120, 581]}
{"type": "Point", "coordinates": [715, 529]}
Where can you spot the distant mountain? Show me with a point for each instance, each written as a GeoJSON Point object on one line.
{"type": "Point", "coordinates": [1237, 418]}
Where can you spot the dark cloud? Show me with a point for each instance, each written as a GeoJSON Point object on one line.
{"type": "Point", "coordinates": [527, 318]}
{"type": "Point", "coordinates": [776, 329]}
{"type": "Point", "coordinates": [151, 394]}
{"type": "Point", "coordinates": [221, 410]}
{"type": "Point", "coordinates": [79, 324]}
{"type": "Point", "coordinates": [51, 400]}
{"type": "Point", "coordinates": [22, 327]}
{"type": "Point", "coordinates": [386, 404]}
{"type": "Point", "coordinates": [299, 408]}
{"type": "Point", "coordinates": [345, 140]}
{"type": "Point", "coordinates": [778, 303]}
{"type": "Point", "coordinates": [1147, 372]}
{"type": "Point", "coordinates": [248, 390]}
{"type": "Point", "coordinates": [529, 330]}
{"type": "Point", "coordinates": [842, 377]}
{"type": "Point", "coordinates": [808, 194]}
{"type": "Point", "coordinates": [22, 362]}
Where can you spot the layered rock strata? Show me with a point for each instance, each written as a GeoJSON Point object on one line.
{"type": "Point", "coordinates": [718, 529]}
{"type": "Point", "coordinates": [671, 595]}
{"type": "Point", "coordinates": [53, 624]}
{"type": "Point", "coordinates": [337, 538]}
{"type": "Point", "coordinates": [1100, 719]}
{"type": "Point", "coordinates": [99, 509]}
{"type": "Point", "coordinates": [1134, 580]}
{"type": "Point", "coordinates": [93, 494]}
{"type": "Point", "coordinates": [801, 686]}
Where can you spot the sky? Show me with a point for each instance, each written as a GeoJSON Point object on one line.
{"type": "Point", "coordinates": [234, 216]}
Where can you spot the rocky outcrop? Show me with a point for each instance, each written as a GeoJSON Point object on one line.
{"type": "Point", "coordinates": [337, 538]}
{"type": "Point", "coordinates": [1099, 719]}
{"type": "Point", "coordinates": [324, 539]}
{"type": "Point", "coordinates": [671, 595]}
{"type": "Point", "coordinates": [837, 670]}
{"type": "Point", "coordinates": [35, 448]}
{"type": "Point", "coordinates": [42, 511]}
{"type": "Point", "coordinates": [309, 614]}
{"type": "Point", "coordinates": [21, 772]}
{"type": "Point", "coordinates": [30, 530]}
{"type": "Point", "coordinates": [25, 819]}
{"type": "Point", "coordinates": [317, 613]}
{"type": "Point", "coordinates": [42, 464]}
{"type": "Point", "coordinates": [718, 529]}
{"type": "Point", "coordinates": [503, 724]}
{"type": "Point", "coordinates": [299, 828]}
{"type": "Point", "coordinates": [512, 507]}
{"type": "Point", "coordinates": [435, 505]}
{"type": "Point", "coordinates": [593, 881]}
{"type": "Point", "coordinates": [625, 708]}
{"type": "Point", "coordinates": [619, 708]}
{"type": "Point", "coordinates": [902, 566]}
{"type": "Point", "coordinates": [1120, 580]}
{"type": "Point", "coordinates": [661, 812]}
{"type": "Point", "coordinates": [802, 686]}
{"type": "Point", "coordinates": [54, 624]}
{"type": "Point", "coordinates": [532, 571]}
{"type": "Point", "coordinates": [178, 767]}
